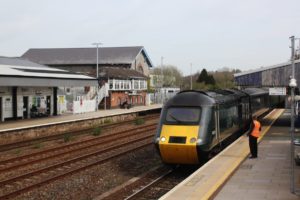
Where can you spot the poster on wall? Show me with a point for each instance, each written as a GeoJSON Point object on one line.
{"type": "Point", "coordinates": [61, 99]}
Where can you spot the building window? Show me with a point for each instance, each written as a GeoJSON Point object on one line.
{"type": "Point", "coordinates": [68, 90]}
{"type": "Point", "coordinates": [140, 69]}
{"type": "Point", "coordinates": [142, 84]}
{"type": "Point", "coordinates": [136, 84]}
{"type": "Point", "coordinates": [127, 85]}
{"type": "Point", "coordinates": [38, 101]}
{"type": "Point", "coordinates": [111, 84]}
{"type": "Point", "coordinates": [117, 84]}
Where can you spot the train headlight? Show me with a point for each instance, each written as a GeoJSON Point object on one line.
{"type": "Point", "coordinates": [193, 140]}
{"type": "Point", "coordinates": [163, 139]}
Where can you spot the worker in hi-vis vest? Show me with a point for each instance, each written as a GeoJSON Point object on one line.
{"type": "Point", "coordinates": [253, 134]}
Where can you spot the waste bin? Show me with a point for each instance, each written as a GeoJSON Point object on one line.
{"type": "Point", "coordinates": [297, 151]}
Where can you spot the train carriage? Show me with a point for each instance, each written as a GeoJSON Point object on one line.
{"type": "Point", "coordinates": [194, 123]}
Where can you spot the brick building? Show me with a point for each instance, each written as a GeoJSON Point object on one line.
{"type": "Point", "coordinates": [123, 71]}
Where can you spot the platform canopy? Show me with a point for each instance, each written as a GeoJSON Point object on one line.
{"type": "Point", "coordinates": [271, 76]}
{"type": "Point", "coordinates": [21, 72]}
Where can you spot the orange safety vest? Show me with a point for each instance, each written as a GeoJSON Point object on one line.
{"type": "Point", "coordinates": [255, 131]}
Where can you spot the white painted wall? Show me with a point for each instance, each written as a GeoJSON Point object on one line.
{"type": "Point", "coordinates": [84, 106]}
{"type": "Point", "coordinates": [73, 95]}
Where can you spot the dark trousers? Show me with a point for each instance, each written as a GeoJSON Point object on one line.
{"type": "Point", "coordinates": [253, 145]}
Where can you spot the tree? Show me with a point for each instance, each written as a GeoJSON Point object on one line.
{"type": "Point", "coordinates": [225, 79]}
{"type": "Point", "coordinates": [205, 78]}
{"type": "Point", "coordinates": [168, 75]}
{"type": "Point", "coordinates": [210, 80]}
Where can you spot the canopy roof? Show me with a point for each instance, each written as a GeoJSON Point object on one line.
{"type": "Point", "coordinates": [20, 72]}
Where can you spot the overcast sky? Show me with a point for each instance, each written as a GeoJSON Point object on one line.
{"type": "Point", "coordinates": [211, 34]}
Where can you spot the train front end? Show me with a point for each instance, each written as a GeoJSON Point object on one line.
{"type": "Point", "coordinates": [179, 135]}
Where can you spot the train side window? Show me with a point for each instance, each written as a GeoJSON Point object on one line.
{"type": "Point", "coordinates": [211, 124]}
{"type": "Point", "coordinates": [223, 119]}
{"type": "Point", "coordinates": [228, 117]}
{"type": "Point", "coordinates": [234, 115]}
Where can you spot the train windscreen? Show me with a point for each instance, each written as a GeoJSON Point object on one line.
{"type": "Point", "coordinates": [183, 115]}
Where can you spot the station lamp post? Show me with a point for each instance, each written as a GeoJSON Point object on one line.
{"type": "Point", "coordinates": [191, 76]}
{"type": "Point", "coordinates": [293, 85]}
{"type": "Point", "coordinates": [97, 68]}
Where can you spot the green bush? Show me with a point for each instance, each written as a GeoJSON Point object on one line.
{"type": "Point", "coordinates": [107, 121]}
{"type": "Point", "coordinates": [18, 151]}
{"type": "Point", "coordinates": [67, 138]}
{"type": "Point", "coordinates": [37, 145]}
{"type": "Point", "coordinates": [97, 131]}
{"type": "Point", "coordinates": [139, 121]}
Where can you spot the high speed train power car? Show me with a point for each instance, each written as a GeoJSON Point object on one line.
{"type": "Point", "coordinates": [194, 123]}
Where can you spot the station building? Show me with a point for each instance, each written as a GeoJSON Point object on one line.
{"type": "Point", "coordinates": [123, 71]}
{"type": "Point", "coordinates": [30, 90]}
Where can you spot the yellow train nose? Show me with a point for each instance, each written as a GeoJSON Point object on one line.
{"type": "Point", "coordinates": [178, 144]}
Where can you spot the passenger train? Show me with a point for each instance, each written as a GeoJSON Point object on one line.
{"type": "Point", "coordinates": [195, 123]}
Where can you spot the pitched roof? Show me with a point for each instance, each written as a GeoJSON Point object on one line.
{"type": "Point", "coordinates": [265, 68]}
{"type": "Point", "coordinates": [18, 61]}
{"type": "Point", "coordinates": [120, 73]}
{"type": "Point", "coordinates": [20, 72]}
{"type": "Point", "coordinates": [78, 56]}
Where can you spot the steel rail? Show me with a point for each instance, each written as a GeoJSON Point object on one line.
{"type": "Point", "coordinates": [149, 185]}
{"type": "Point", "coordinates": [77, 146]}
{"type": "Point", "coordinates": [10, 146]}
{"type": "Point", "coordinates": [73, 171]}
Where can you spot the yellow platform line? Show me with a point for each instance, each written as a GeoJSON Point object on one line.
{"type": "Point", "coordinates": [234, 166]}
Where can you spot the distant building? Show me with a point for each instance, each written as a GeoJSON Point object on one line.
{"type": "Point", "coordinates": [30, 90]}
{"type": "Point", "coordinates": [162, 87]}
{"type": "Point", "coordinates": [272, 76]}
{"type": "Point", "coordinates": [123, 71]}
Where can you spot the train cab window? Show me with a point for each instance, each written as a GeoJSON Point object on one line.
{"type": "Point", "coordinates": [183, 115]}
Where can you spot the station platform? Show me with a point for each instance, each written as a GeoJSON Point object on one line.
{"type": "Point", "coordinates": [37, 122]}
{"type": "Point", "coordinates": [231, 175]}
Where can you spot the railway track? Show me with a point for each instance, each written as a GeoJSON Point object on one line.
{"type": "Point", "coordinates": [13, 186]}
{"type": "Point", "coordinates": [29, 159]}
{"type": "Point", "coordinates": [10, 146]}
{"type": "Point", "coordinates": [163, 184]}
{"type": "Point", "coordinates": [152, 185]}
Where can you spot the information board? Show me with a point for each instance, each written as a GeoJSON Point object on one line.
{"type": "Point", "coordinates": [277, 91]}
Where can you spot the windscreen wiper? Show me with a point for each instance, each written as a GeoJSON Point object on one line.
{"type": "Point", "coordinates": [177, 120]}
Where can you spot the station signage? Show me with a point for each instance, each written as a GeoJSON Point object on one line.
{"type": "Point", "coordinates": [280, 91]}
